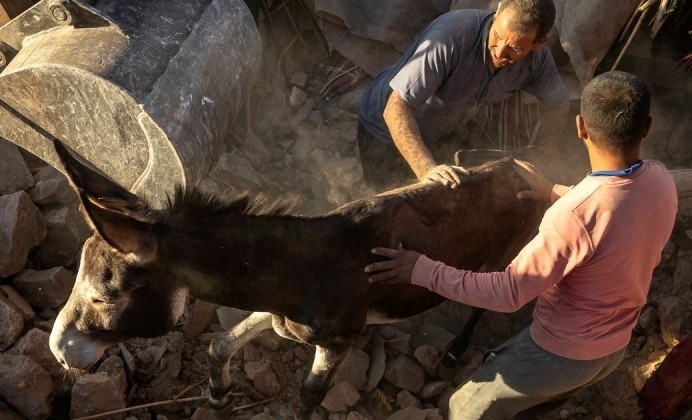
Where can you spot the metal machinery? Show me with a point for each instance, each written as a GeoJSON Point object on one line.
{"type": "Point", "coordinates": [145, 90]}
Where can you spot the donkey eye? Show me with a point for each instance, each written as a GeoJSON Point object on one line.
{"type": "Point", "coordinates": [107, 273]}
{"type": "Point", "coordinates": [97, 301]}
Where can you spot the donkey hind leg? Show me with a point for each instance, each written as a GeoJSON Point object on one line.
{"type": "Point", "coordinates": [315, 385]}
{"type": "Point", "coordinates": [461, 342]}
{"type": "Point", "coordinates": [223, 347]}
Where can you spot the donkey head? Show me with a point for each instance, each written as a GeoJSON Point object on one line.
{"type": "Point", "coordinates": [121, 290]}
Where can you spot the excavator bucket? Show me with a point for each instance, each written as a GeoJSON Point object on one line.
{"type": "Point", "coordinates": [145, 90]}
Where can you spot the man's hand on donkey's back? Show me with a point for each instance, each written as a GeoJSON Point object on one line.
{"type": "Point", "coordinates": [398, 269]}
{"type": "Point", "coordinates": [541, 187]}
{"type": "Point", "coordinates": [447, 175]}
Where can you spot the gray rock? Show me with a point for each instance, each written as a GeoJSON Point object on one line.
{"type": "Point", "coordinates": [26, 386]}
{"type": "Point", "coordinates": [427, 356]}
{"type": "Point", "coordinates": [46, 288]}
{"type": "Point", "coordinates": [432, 335]}
{"type": "Point", "coordinates": [353, 369]}
{"type": "Point", "coordinates": [34, 344]}
{"type": "Point", "coordinates": [203, 414]}
{"type": "Point", "coordinates": [251, 353]}
{"type": "Point", "coordinates": [299, 79]}
{"type": "Point", "coordinates": [114, 366]}
{"type": "Point", "coordinates": [230, 317]}
{"type": "Point", "coordinates": [14, 299]}
{"type": "Point", "coordinates": [298, 96]}
{"type": "Point", "coordinates": [22, 227]}
{"type": "Point", "coordinates": [66, 232]}
{"type": "Point", "coordinates": [405, 373]}
{"type": "Point", "coordinates": [350, 102]}
{"type": "Point", "coordinates": [340, 397]}
{"type": "Point", "coordinates": [235, 170]}
{"type": "Point", "coordinates": [96, 393]}
{"type": "Point", "coordinates": [202, 314]}
{"type": "Point", "coordinates": [433, 389]}
{"type": "Point", "coordinates": [15, 173]}
{"type": "Point", "coordinates": [11, 324]}
{"type": "Point", "coordinates": [674, 318]}
{"type": "Point", "coordinates": [170, 363]}
{"type": "Point", "coordinates": [51, 186]}
{"type": "Point", "coordinates": [269, 340]}
{"type": "Point", "coordinates": [405, 399]}
{"type": "Point", "coordinates": [263, 377]}
{"type": "Point", "coordinates": [396, 339]}
{"type": "Point", "coordinates": [682, 276]}
{"type": "Point", "coordinates": [648, 318]}
{"type": "Point", "coordinates": [413, 413]}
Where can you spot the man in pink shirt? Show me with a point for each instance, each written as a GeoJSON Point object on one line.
{"type": "Point", "coordinates": [590, 264]}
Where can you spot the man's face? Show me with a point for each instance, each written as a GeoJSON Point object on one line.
{"type": "Point", "coordinates": [506, 45]}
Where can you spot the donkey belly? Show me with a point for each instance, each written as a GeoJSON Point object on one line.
{"type": "Point", "coordinates": [398, 302]}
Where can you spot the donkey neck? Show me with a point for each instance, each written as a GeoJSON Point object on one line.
{"type": "Point", "coordinates": [257, 263]}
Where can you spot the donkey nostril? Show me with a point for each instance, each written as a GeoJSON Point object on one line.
{"type": "Point", "coordinates": [62, 362]}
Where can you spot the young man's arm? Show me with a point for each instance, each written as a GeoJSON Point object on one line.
{"type": "Point", "coordinates": [559, 247]}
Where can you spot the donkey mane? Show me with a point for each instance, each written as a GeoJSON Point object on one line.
{"type": "Point", "coordinates": [196, 203]}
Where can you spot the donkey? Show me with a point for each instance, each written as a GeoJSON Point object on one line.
{"type": "Point", "coordinates": [302, 276]}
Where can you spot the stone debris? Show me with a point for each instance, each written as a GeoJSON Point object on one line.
{"type": "Point", "coordinates": [96, 393]}
{"type": "Point", "coordinates": [263, 377]}
{"type": "Point", "coordinates": [22, 228]}
{"type": "Point", "coordinates": [293, 142]}
{"type": "Point", "coordinates": [46, 288]}
{"type": "Point", "coordinates": [25, 386]}
{"type": "Point", "coordinates": [17, 301]}
{"type": "Point", "coordinates": [11, 324]}
{"type": "Point", "coordinates": [15, 173]}
{"type": "Point", "coordinates": [403, 372]}
{"type": "Point", "coordinates": [34, 344]}
{"type": "Point", "coordinates": [340, 397]}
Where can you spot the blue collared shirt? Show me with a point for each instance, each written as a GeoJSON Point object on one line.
{"type": "Point", "coordinates": [444, 76]}
{"type": "Point", "coordinates": [618, 172]}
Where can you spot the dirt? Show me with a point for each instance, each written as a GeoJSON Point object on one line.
{"type": "Point", "coordinates": [306, 150]}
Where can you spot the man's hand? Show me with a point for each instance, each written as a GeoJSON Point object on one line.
{"type": "Point", "coordinates": [397, 270]}
{"type": "Point", "coordinates": [447, 175]}
{"type": "Point", "coordinates": [541, 187]}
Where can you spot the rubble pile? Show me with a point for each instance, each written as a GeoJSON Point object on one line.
{"type": "Point", "coordinates": [296, 137]}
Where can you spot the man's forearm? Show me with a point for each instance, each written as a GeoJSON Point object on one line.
{"type": "Point", "coordinates": [401, 121]}
{"type": "Point", "coordinates": [551, 125]}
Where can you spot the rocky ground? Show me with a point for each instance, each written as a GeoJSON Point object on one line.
{"type": "Point", "coordinates": [296, 137]}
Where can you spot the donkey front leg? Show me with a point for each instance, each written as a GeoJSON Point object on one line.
{"type": "Point", "coordinates": [223, 347]}
{"type": "Point", "coordinates": [315, 385]}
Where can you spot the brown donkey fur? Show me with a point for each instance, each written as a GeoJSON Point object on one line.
{"type": "Point", "coordinates": [303, 276]}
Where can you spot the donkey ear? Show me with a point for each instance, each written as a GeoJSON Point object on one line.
{"type": "Point", "coordinates": [120, 217]}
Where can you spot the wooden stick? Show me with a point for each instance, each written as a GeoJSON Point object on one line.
{"type": "Point", "coordinates": [181, 393]}
{"type": "Point", "coordinates": [159, 403]}
{"type": "Point", "coordinates": [136, 407]}
{"type": "Point", "coordinates": [643, 9]}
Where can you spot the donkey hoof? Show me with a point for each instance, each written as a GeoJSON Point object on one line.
{"type": "Point", "coordinates": [224, 413]}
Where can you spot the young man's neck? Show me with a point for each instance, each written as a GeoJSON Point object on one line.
{"type": "Point", "coordinates": [612, 161]}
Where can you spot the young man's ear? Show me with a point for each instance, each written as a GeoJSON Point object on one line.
{"type": "Point", "coordinates": [581, 128]}
{"type": "Point", "coordinates": [649, 122]}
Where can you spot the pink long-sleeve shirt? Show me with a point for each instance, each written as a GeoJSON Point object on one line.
{"type": "Point", "coordinates": [590, 265]}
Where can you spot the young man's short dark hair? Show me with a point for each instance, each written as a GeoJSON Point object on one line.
{"type": "Point", "coordinates": [615, 108]}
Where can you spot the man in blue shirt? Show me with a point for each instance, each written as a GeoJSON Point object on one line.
{"type": "Point", "coordinates": [463, 58]}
